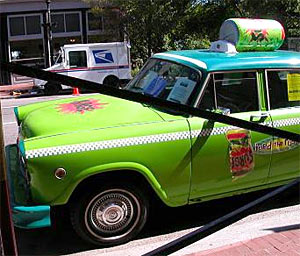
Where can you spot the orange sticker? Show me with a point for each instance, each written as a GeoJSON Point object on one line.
{"type": "Point", "coordinates": [240, 152]}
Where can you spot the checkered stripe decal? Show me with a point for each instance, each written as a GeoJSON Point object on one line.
{"type": "Point", "coordinates": [134, 141]}
{"type": "Point", "coordinates": [286, 122]}
{"type": "Point", "coordinates": [107, 144]}
{"type": "Point", "coordinates": [211, 131]}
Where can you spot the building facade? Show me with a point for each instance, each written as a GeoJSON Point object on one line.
{"type": "Point", "coordinates": [24, 38]}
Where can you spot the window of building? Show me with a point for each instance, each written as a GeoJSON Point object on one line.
{"type": "Point", "coordinates": [16, 25]}
{"type": "Point", "coordinates": [24, 25]}
{"type": "Point", "coordinates": [33, 25]}
{"type": "Point", "coordinates": [72, 22]}
{"type": "Point", "coordinates": [25, 49]}
{"type": "Point", "coordinates": [66, 22]}
{"type": "Point", "coordinates": [284, 88]}
{"type": "Point", "coordinates": [231, 92]}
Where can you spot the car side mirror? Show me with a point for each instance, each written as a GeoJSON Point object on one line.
{"type": "Point", "coordinates": [223, 111]}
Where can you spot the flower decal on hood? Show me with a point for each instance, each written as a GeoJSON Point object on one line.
{"type": "Point", "coordinates": [80, 106]}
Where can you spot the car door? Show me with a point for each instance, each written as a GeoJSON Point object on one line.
{"type": "Point", "coordinates": [223, 157]}
{"type": "Point", "coordinates": [283, 87]}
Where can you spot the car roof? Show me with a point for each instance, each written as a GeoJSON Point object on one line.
{"type": "Point", "coordinates": [214, 61]}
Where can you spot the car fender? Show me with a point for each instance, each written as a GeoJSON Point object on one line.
{"type": "Point", "coordinates": [100, 169]}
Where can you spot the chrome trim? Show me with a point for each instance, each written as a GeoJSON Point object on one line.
{"type": "Point", "coordinates": [267, 90]}
{"type": "Point", "coordinates": [205, 83]}
{"type": "Point", "coordinates": [258, 92]}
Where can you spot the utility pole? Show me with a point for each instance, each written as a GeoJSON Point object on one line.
{"type": "Point", "coordinates": [48, 35]}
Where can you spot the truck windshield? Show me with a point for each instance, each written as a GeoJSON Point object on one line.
{"type": "Point", "coordinates": [166, 80]}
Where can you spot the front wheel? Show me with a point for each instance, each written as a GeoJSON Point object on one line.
{"type": "Point", "coordinates": [110, 215]}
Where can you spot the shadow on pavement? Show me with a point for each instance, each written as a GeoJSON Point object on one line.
{"type": "Point", "coordinates": [284, 228]}
{"type": "Point", "coordinates": [62, 239]}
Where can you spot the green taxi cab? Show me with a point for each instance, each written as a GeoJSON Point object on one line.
{"type": "Point", "coordinates": [107, 158]}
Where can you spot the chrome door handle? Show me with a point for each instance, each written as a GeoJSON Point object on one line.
{"type": "Point", "coordinates": [259, 118]}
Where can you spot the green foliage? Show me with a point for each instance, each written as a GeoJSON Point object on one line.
{"type": "Point", "coordinates": [153, 25]}
{"type": "Point", "coordinates": [210, 14]}
{"type": "Point", "coordinates": [161, 25]}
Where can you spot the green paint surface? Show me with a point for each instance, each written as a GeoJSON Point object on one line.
{"type": "Point", "coordinates": [111, 134]}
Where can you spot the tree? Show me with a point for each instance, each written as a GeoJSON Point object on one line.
{"type": "Point", "coordinates": [160, 25]}
{"type": "Point", "coordinates": [210, 14]}
{"type": "Point", "coordinates": [153, 25]}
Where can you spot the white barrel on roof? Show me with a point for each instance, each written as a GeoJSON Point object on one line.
{"type": "Point", "coordinates": [253, 34]}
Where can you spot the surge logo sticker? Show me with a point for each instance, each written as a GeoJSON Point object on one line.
{"type": "Point", "coordinates": [258, 35]}
{"type": "Point", "coordinates": [103, 56]}
{"type": "Point", "coordinates": [276, 145]}
{"type": "Point", "coordinates": [240, 152]}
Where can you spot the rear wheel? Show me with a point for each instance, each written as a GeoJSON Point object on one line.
{"type": "Point", "coordinates": [52, 88]}
{"type": "Point", "coordinates": [112, 81]}
{"type": "Point", "coordinates": [110, 215]}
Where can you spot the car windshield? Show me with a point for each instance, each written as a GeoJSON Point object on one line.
{"type": "Point", "coordinates": [166, 80]}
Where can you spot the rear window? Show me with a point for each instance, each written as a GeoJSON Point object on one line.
{"type": "Point", "coordinates": [284, 88]}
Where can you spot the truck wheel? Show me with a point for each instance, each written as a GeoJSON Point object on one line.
{"type": "Point", "coordinates": [112, 81]}
{"type": "Point", "coordinates": [110, 215]}
{"type": "Point", "coordinates": [52, 88]}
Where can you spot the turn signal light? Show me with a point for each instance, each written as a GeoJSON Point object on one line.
{"type": "Point", "coordinates": [60, 173]}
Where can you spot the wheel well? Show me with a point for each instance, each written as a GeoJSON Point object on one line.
{"type": "Point", "coordinates": [111, 76]}
{"type": "Point", "coordinates": [107, 79]}
{"type": "Point", "coordinates": [124, 176]}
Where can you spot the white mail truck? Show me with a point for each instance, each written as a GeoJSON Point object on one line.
{"type": "Point", "coordinates": [103, 63]}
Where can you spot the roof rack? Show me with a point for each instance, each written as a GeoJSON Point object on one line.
{"type": "Point", "coordinates": [223, 46]}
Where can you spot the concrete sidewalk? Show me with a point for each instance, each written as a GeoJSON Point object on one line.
{"type": "Point", "coordinates": [276, 244]}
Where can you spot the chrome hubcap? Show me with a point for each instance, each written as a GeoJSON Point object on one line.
{"type": "Point", "coordinates": [112, 214]}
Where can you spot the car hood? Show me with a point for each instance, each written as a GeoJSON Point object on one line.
{"type": "Point", "coordinates": [81, 113]}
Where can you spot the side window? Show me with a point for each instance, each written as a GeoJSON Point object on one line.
{"type": "Point", "coordinates": [284, 88]}
{"type": "Point", "coordinates": [231, 92]}
{"type": "Point", "coordinates": [78, 59]}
